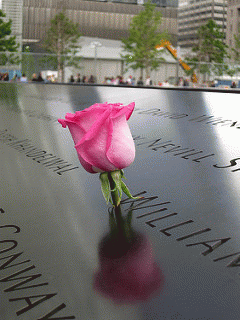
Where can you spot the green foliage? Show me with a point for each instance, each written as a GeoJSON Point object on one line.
{"type": "Point", "coordinates": [8, 44]}
{"type": "Point", "coordinates": [62, 40]}
{"type": "Point", "coordinates": [231, 71]}
{"type": "Point", "coordinates": [210, 51]}
{"type": "Point", "coordinates": [211, 46]}
{"type": "Point", "coordinates": [49, 62]}
{"type": "Point", "coordinates": [236, 49]}
{"type": "Point", "coordinates": [28, 63]}
{"type": "Point", "coordinates": [192, 62]}
{"type": "Point", "coordinates": [197, 66]}
{"type": "Point", "coordinates": [144, 36]}
{"type": "Point", "coordinates": [207, 68]}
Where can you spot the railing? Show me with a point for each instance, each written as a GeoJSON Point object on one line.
{"type": "Point", "coordinates": [79, 70]}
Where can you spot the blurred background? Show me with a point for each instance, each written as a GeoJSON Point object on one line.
{"type": "Point", "coordinates": [127, 42]}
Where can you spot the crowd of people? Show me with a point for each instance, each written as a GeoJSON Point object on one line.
{"type": "Point", "coordinates": [130, 81]}
{"type": "Point", "coordinates": [119, 80]}
{"type": "Point", "coordinates": [84, 79]}
{"type": "Point", "coordinates": [4, 76]}
{"type": "Point", "coordinates": [22, 78]}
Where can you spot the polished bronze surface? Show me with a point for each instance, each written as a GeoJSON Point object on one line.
{"type": "Point", "coordinates": [54, 218]}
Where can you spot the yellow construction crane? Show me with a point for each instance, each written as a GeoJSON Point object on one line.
{"type": "Point", "coordinates": [167, 44]}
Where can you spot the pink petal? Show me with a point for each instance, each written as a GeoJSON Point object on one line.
{"type": "Point", "coordinates": [63, 122]}
{"type": "Point", "coordinates": [129, 109]}
{"type": "Point", "coordinates": [121, 149]}
{"type": "Point", "coordinates": [87, 166]}
{"type": "Point", "coordinates": [92, 148]}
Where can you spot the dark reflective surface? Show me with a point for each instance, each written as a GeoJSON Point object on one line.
{"type": "Point", "coordinates": [128, 272]}
{"type": "Point", "coordinates": [187, 167]}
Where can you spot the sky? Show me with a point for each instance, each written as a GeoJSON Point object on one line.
{"type": "Point", "coordinates": [0, 4]}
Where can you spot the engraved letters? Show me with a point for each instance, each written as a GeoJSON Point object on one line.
{"type": "Point", "coordinates": [211, 245]}
{"type": "Point", "coordinates": [24, 146]}
{"type": "Point", "coordinates": [23, 278]}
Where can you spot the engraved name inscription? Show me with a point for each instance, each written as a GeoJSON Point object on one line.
{"type": "Point", "coordinates": [20, 273]}
{"type": "Point", "coordinates": [206, 119]}
{"type": "Point", "coordinates": [186, 153]}
{"type": "Point", "coordinates": [159, 211]}
{"type": "Point", "coordinates": [38, 155]}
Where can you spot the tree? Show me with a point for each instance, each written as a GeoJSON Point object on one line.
{"type": "Point", "coordinates": [8, 44]}
{"type": "Point", "coordinates": [28, 62]}
{"type": "Point", "coordinates": [140, 47]}
{"type": "Point", "coordinates": [210, 47]}
{"type": "Point", "coordinates": [62, 40]}
{"type": "Point", "coordinates": [236, 49]}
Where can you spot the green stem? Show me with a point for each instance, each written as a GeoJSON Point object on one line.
{"type": "Point", "coordinates": [118, 212]}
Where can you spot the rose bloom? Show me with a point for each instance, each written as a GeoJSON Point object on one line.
{"type": "Point", "coordinates": [133, 277]}
{"type": "Point", "coordinates": [102, 136]}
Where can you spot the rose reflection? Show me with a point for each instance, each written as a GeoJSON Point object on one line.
{"type": "Point", "coordinates": [128, 272]}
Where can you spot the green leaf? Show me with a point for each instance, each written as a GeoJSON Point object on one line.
{"type": "Point", "coordinates": [116, 176]}
{"type": "Point", "coordinates": [105, 186]}
{"type": "Point", "coordinates": [126, 191]}
{"type": "Point", "coordinates": [122, 175]}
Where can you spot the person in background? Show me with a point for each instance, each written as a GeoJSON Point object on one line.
{"type": "Point", "coordinates": [116, 81]}
{"type": "Point", "coordinates": [186, 83]}
{"type": "Point", "coordinates": [78, 78]}
{"type": "Point", "coordinates": [140, 82]}
{"type": "Point", "coordinates": [233, 85]}
{"type": "Point", "coordinates": [165, 84]}
{"type": "Point", "coordinates": [121, 81]}
{"type": "Point", "coordinates": [84, 79]}
{"type": "Point", "coordinates": [180, 82]}
{"type": "Point", "coordinates": [112, 81]}
{"type": "Point", "coordinates": [23, 78]}
{"type": "Point", "coordinates": [71, 80]}
{"type": "Point", "coordinates": [212, 84]}
{"type": "Point", "coordinates": [91, 79]}
{"type": "Point", "coordinates": [148, 81]}
{"type": "Point", "coordinates": [40, 78]}
{"type": "Point", "coordinates": [34, 77]}
{"type": "Point", "coordinates": [129, 80]}
{"type": "Point", "coordinates": [5, 77]}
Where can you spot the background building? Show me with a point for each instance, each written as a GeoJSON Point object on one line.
{"type": "Point", "coordinates": [193, 14]}
{"type": "Point", "coordinates": [106, 22]}
{"type": "Point", "coordinates": [13, 11]}
{"type": "Point", "coordinates": [233, 22]}
{"type": "Point", "coordinates": [166, 3]}
{"type": "Point", "coordinates": [101, 19]}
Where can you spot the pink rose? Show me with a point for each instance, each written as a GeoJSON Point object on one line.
{"type": "Point", "coordinates": [130, 278]}
{"type": "Point", "coordinates": [102, 136]}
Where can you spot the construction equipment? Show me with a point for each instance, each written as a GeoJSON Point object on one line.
{"type": "Point", "coordinates": [167, 44]}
